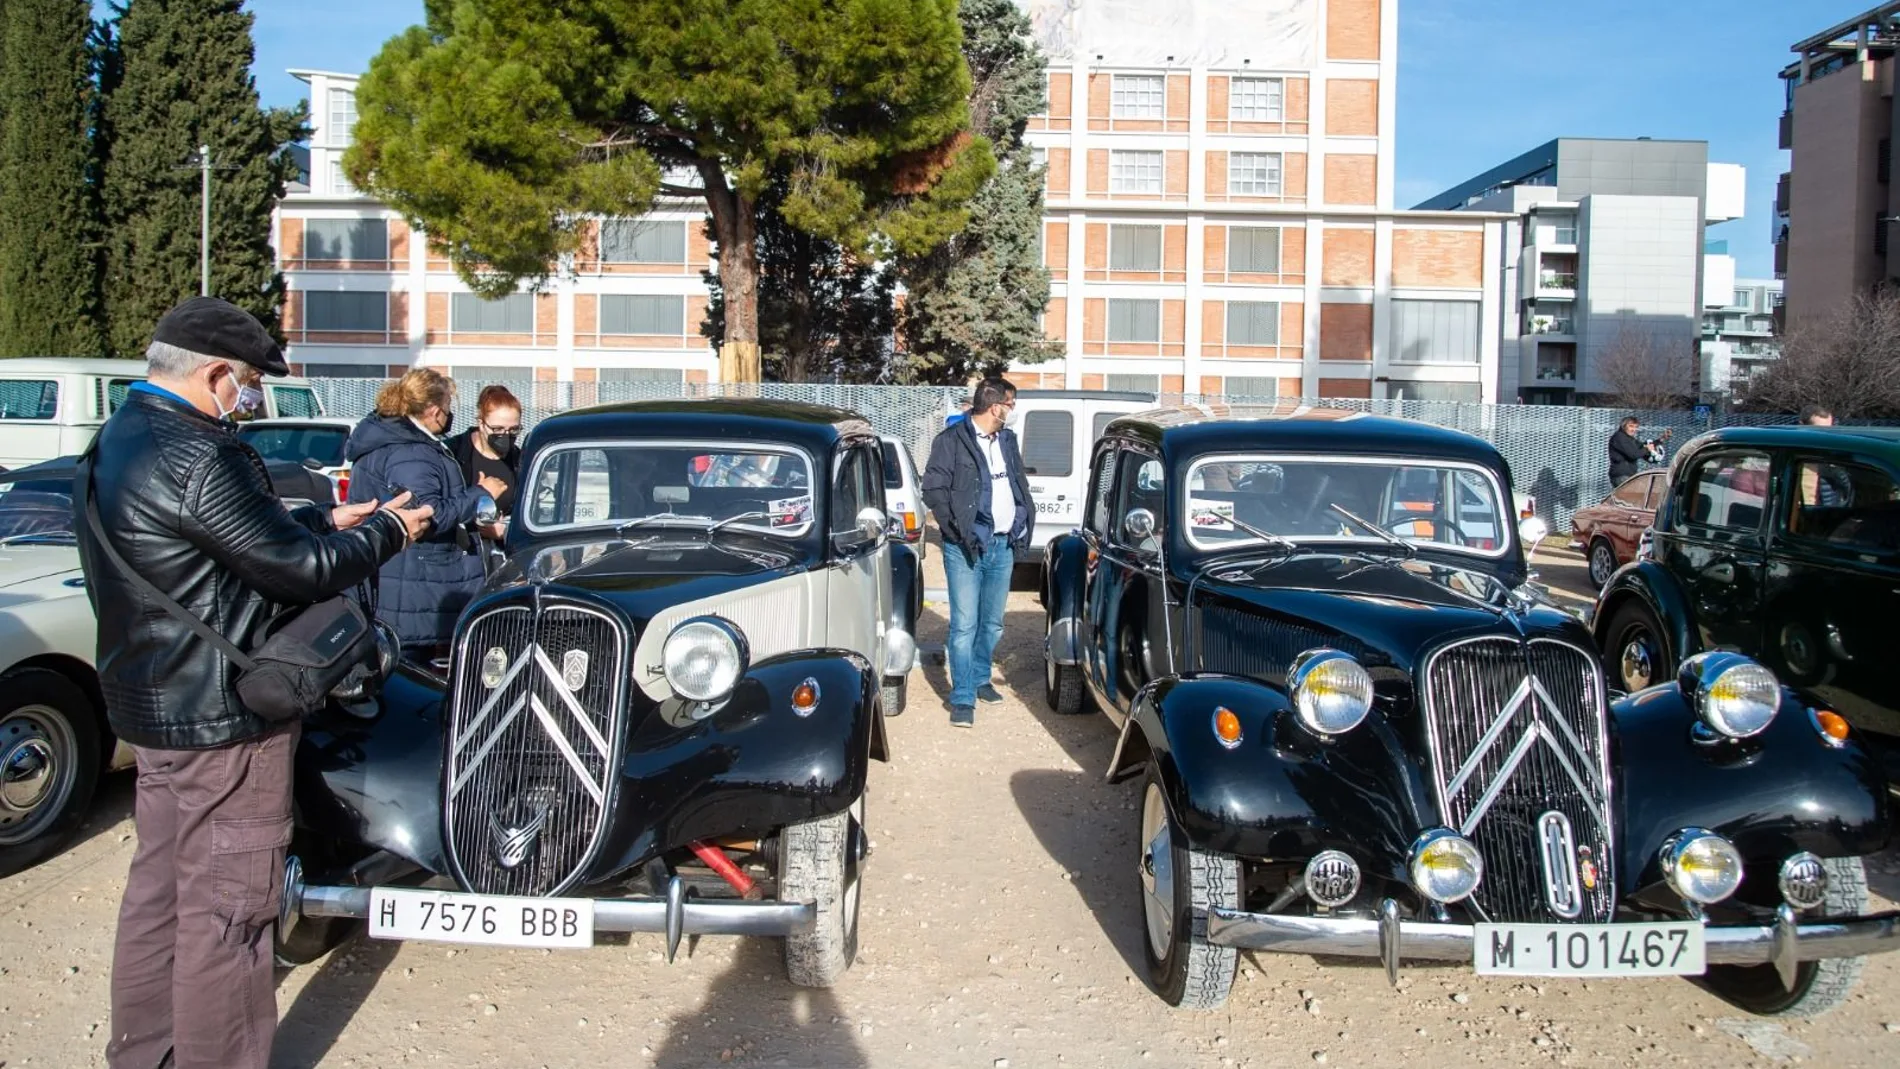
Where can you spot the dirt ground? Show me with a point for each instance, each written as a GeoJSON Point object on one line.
{"type": "Point", "coordinates": [1000, 928]}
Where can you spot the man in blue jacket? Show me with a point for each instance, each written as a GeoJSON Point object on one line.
{"type": "Point", "coordinates": [974, 485]}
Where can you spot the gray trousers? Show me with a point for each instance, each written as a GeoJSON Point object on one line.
{"type": "Point", "coordinates": [192, 970]}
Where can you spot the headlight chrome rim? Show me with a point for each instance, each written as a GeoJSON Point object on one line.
{"type": "Point", "coordinates": [1701, 866]}
{"type": "Point", "coordinates": [718, 680]}
{"type": "Point", "coordinates": [1734, 696]}
{"type": "Point", "coordinates": [1444, 843]}
{"type": "Point", "coordinates": [1332, 693]}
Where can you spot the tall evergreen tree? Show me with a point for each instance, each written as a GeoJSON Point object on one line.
{"type": "Point", "coordinates": [49, 253]}
{"type": "Point", "coordinates": [186, 82]}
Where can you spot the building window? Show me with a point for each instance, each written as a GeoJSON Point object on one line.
{"type": "Point", "coordinates": [359, 312]}
{"type": "Point", "coordinates": [670, 376]}
{"type": "Point", "coordinates": [513, 314]}
{"type": "Point", "coordinates": [486, 373]}
{"type": "Point", "coordinates": [345, 371]}
{"type": "Point", "coordinates": [1134, 383]}
{"type": "Point", "coordinates": [1253, 250]}
{"type": "Point", "coordinates": [342, 124]}
{"type": "Point", "coordinates": [642, 241]}
{"type": "Point", "coordinates": [1038, 156]}
{"type": "Point", "coordinates": [1134, 248]}
{"type": "Point", "coordinates": [1254, 174]}
{"type": "Point", "coordinates": [643, 314]}
{"type": "Point", "coordinates": [1744, 299]}
{"type": "Point", "coordinates": [1134, 321]}
{"type": "Point", "coordinates": [1434, 332]}
{"type": "Point", "coordinates": [1253, 323]}
{"type": "Point", "coordinates": [339, 182]}
{"type": "Point", "coordinates": [1251, 386]}
{"type": "Point", "coordinates": [358, 240]}
{"type": "Point", "coordinates": [1134, 172]}
{"type": "Point", "coordinates": [1257, 100]}
{"type": "Point", "coordinates": [1139, 96]}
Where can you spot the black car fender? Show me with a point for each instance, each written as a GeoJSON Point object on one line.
{"type": "Point", "coordinates": [1282, 791]}
{"type": "Point", "coordinates": [1649, 582]}
{"type": "Point", "coordinates": [1064, 571]}
{"type": "Point", "coordinates": [1785, 790]}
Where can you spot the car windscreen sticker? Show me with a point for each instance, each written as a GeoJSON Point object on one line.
{"type": "Point", "coordinates": [791, 511]}
{"type": "Point", "coordinates": [1211, 515]}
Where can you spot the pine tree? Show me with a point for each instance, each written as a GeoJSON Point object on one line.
{"type": "Point", "coordinates": [185, 81]}
{"type": "Point", "coordinates": [49, 255]}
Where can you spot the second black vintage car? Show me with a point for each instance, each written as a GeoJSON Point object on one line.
{"type": "Point", "coordinates": [657, 718]}
{"type": "Point", "coordinates": [1360, 731]}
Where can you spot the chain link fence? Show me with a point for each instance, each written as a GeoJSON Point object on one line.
{"type": "Point", "coordinates": [1557, 454]}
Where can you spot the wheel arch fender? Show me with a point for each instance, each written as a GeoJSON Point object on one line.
{"type": "Point", "coordinates": [907, 606]}
{"type": "Point", "coordinates": [1064, 571]}
{"type": "Point", "coordinates": [1648, 582]}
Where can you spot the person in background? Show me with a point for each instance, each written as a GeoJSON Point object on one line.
{"type": "Point", "coordinates": [974, 485]}
{"type": "Point", "coordinates": [399, 448]}
{"type": "Point", "coordinates": [1627, 454]}
{"type": "Point", "coordinates": [490, 447]}
{"type": "Point", "coordinates": [1817, 416]}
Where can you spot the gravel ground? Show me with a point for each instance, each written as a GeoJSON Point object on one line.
{"type": "Point", "coordinates": [1000, 928]}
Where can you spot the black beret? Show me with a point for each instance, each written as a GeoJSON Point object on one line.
{"type": "Point", "coordinates": [215, 327]}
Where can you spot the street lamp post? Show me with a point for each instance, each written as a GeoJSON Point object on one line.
{"type": "Point", "coordinates": [202, 161]}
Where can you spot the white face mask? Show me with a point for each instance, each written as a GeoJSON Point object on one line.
{"type": "Point", "coordinates": [249, 400]}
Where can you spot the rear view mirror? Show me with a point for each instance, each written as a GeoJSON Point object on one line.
{"type": "Point", "coordinates": [671, 495]}
{"type": "Point", "coordinates": [1148, 477]}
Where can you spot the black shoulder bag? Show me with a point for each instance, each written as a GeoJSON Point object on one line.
{"type": "Point", "coordinates": [307, 650]}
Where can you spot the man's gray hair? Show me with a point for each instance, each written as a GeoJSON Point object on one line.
{"type": "Point", "coordinates": [167, 361]}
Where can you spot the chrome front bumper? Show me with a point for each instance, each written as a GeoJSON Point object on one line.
{"type": "Point", "coordinates": [677, 915]}
{"type": "Point", "coordinates": [1783, 944]}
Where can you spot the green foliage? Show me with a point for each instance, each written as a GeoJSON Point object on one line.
{"type": "Point", "coordinates": [49, 254]}
{"type": "Point", "coordinates": [974, 302]}
{"type": "Point", "coordinates": [185, 82]}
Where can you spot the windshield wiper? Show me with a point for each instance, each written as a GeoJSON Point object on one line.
{"type": "Point", "coordinates": [1407, 548]}
{"type": "Point", "coordinates": [756, 514]}
{"type": "Point", "coordinates": [668, 519]}
{"type": "Point", "coordinates": [1265, 536]}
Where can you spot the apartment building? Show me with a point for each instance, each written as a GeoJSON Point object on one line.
{"type": "Point", "coordinates": [1740, 331]}
{"type": "Point", "coordinates": [1605, 240]}
{"type": "Point", "coordinates": [1836, 206]}
{"type": "Point", "coordinates": [1219, 221]}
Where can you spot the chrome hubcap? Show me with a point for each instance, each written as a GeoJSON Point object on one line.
{"type": "Point", "coordinates": [1157, 872]}
{"type": "Point", "coordinates": [37, 769]}
{"type": "Point", "coordinates": [1601, 564]}
{"type": "Point", "coordinates": [1637, 668]}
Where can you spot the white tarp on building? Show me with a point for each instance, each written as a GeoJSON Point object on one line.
{"type": "Point", "coordinates": [1269, 34]}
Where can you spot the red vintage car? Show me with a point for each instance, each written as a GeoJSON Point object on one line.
{"type": "Point", "coordinates": [1608, 532]}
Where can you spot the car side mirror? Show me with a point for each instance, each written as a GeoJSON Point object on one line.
{"type": "Point", "coordinates": [869, 528]}
{"type": "Point", "coordinates": [1532, 531]}
{"type": "Point", "coordinates": [1139, 526]}
{"type": "Point", "coordinates": [312, 464]}
{"type": "Point", "coordinates": [487, 513]}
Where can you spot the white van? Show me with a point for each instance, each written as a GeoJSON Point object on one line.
{"type": "Point", "coordinates": [1057, 430]}
{"type": "Point", "coordinates": [54, 406]}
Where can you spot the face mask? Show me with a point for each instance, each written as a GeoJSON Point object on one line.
{"type": "Point", "coordinates": [501, 443]}
{"type": "Point", "coordinates": [249, 400]}
{"type": "Point", "coordinates": [448, 424]}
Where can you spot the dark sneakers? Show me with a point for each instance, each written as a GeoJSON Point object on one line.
{"type": "Point", "coordinates": [963, 716]}
{"type": "Point", "coordinates": [989, 694]}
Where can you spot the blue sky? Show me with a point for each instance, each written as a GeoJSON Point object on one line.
{"type": "Point", "coordinates": [1480, 81]}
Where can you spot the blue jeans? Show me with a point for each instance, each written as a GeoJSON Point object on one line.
{"type": "Point", "coordinates": [978, 595]}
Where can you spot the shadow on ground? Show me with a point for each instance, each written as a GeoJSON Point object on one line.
{"type": "Point", "coordinates": [784, 1024]}
{"type": "Point", "coordinates": [326, 1005]}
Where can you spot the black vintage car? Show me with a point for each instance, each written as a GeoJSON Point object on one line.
{"type": "Point", "coordinates": [1782, 543]}
{"type": "Point", "coordinates": [1362, 733]}
{"type": "Point", "coordinates": [657, 718]}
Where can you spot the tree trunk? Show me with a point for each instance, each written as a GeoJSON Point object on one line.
{"type": "Point", "coordinates": [737, 231]}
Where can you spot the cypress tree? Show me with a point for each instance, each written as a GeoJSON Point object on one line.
{"type": "Point", "coordinates": [185, 81]}
{"type": "Point", "coordinates": [49, 254]}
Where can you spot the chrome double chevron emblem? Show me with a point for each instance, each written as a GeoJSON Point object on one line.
{"type": "Point", "coordinates": [1524, 723]}
{"type": "Point", "coordinates": [527, 699]}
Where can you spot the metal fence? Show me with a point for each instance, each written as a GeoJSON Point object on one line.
{"type": "Point", "coordinates": [1557, 454]}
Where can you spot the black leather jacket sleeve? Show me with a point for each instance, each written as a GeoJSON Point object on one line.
{"type": "Point", "coordinates": [231, 514]}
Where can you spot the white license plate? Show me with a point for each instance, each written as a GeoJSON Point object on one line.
{"type": "Point", "coordinates": [495, 920]}
{"type": "Point", "coordinates": [1667, 949]}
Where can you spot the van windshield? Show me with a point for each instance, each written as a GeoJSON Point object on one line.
{"type": "Point", "coordinates": [1444, 505]}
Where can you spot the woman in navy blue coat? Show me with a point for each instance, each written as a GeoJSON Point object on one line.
{"type": "Point", "coordinates": [425, 587]}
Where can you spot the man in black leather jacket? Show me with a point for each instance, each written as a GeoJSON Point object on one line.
{"type": "Point", "coordinates": [189, 506]}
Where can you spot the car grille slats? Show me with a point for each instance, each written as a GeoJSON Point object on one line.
{"type": "Point", "coordinates": [1243, 642]}
{"type": "Point", "coordinates": [1519, 732]}
{"type": "Point", "coordinates": [538, 708]}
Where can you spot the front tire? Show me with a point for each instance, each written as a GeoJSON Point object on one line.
{"type": "Point", "coordinates": [1636, 654]}
{"type": "Point", "coordinates": [1819, 986]}
{"type": "Point", "coordinates": [1180, 885]}
{"type": "Point", "coordinates": [1602, 562]}
{"type": "Point", "coordinates": [821, 861]}
{"type": "Point", "coordinates": [50, 759]}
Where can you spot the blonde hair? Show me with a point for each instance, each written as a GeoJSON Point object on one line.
{"type": "Point", "coordinates": [412, 394]}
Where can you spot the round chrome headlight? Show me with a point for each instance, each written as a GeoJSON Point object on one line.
{"type": "Point", "coordinates": [1331, 691]}
{"type": "Point", "coordinates": [1733, 695]}
{"type": "Point", "coordinates": [704, 659]}
{"type": "Point", "coordinates": [1702, 866]}
{"type": "Point", "coordinates": [1446, 867]}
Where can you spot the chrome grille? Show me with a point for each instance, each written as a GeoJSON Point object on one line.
{"type": "Point", "coordinates": [1519, 732]}
{"type": "Point", "coordinates": [530, 769]}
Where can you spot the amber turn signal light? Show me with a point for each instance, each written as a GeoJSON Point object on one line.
{"type": "Point", "coordinates": [805, 697]}
{"type": "Point", "coordinates": [1832, 724]}
{"type": "Point", "coordinates": [1226, 727]}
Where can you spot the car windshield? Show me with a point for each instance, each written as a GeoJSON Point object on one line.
{"type": "Point", "coordinates": [650, 484]}
{"type": "Point", "coordinates": [36, 511]}
{"type": "Point", "coordinates": [1444, 505]}
{"type": "Point", "coordinates": [297, 444]}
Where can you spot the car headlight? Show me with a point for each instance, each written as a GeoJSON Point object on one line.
{"type": "Point", "coordinates": [1446, 867]}
{"type": "Point", "coordinates": [1732, 694]}
{"type": "Point", "coordinates": [1702, 866]}
{"type": "Point", "coordinates": [1331, 691]}
{"type": "Point", "coordinates": [704, 659]}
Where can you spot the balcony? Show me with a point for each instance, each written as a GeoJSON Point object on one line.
{"type": "Point", "coordinates": [1783, 193]}
{"type": "Point", "coordinates": [1557, 284]}
{"type": "Point", "coordinates": [1556, 365]}
{"type": "Point", "coordinates": [1787, 129]}
{"type": "Point", "coordinates": [1560, 325]}
{"type": "Point", "coordinates": [1781, 259]}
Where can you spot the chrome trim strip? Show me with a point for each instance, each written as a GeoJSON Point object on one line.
{"type": "Point", "coordinates": [567, 749]}
{"type": "Point", "coordinates": [573, 707]}
{"type": "Point", "coordinates": [475, 763]}
{"type": "Point", "coordinates": [1489, 738]}
{"type": "Point", "coordinates": [1501, 780]}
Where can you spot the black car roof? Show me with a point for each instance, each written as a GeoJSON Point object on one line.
{"type": "Point", "coordinates": [815, 427]}
{"type": "Point", "coordinates": [1874, 438]}
{"type": "Point", "coordinates": [1190, 430]}
{"type": "Point", "coordinates": [1085, 395]}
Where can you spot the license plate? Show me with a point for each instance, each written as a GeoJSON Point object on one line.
{"type": "Point", "coordinates": [1050, 508]}
{"type": "Point", "coordinates": [1666, 949]}
{"type": "Point", "coordinates": [494, 920]}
